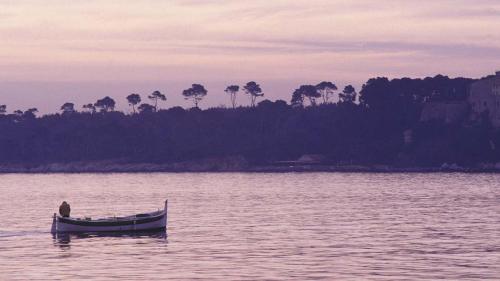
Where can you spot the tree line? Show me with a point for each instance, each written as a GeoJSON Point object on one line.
{"type": "Point", "coordinates": [364, 127]}
{"type": "Point", "coordinates": [324, 90]}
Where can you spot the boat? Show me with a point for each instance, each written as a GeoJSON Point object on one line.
{"type": "Point", "coordinates": [140, 222]}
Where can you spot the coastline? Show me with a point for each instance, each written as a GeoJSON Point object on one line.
{"type": "Point", "coordinates": [204, 166]}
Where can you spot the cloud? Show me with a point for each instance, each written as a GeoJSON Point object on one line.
{"type": "Point", "coordinates": [323, 37]}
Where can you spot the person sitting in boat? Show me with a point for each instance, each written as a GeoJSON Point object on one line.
{"type": "Point", "coordinates": [64, 209]}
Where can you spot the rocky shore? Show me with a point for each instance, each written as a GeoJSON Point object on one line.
{"type": "Point", "coordinates": [230, 164]}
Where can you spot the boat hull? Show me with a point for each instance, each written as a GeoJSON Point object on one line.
{"type": "Point", "coordinates": [141, 222]}
{"type": "Point", "coordinates": [69, 225]}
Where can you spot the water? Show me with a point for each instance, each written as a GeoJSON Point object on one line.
{"type": "Point", "coordinates": [310, 226]}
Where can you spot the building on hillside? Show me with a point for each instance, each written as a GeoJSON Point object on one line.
{"type": "Point", "coordinates": [484, 96]}
{"type": "Point", "coordinates": [446, 112]}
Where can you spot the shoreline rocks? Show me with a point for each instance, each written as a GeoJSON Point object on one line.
{"type": "Point", "coordinates": [231, 164]}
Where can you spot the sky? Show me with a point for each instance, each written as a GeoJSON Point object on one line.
{"type": "Point", "coordinates": [57, 51]}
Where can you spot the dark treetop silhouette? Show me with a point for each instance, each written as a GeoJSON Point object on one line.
{"type": "Point", "coordinates": [68, 108]}
{"type": "Point", "coordinates": [133, 100]}
{"type": "Point", "coordinates": [305, 91]}
{"type": "Point", "coordinates": [195, 93]}
{"type": "Point", "coordinates": [369, 132]}
{"type": "Point", "coordinates": [155, 96]}
{"type": "Point", "coordinates": [146, 108]}
{"type": "Point", "coordinates": [254, 91]}
{"type": "Point", "coordinates": [326, 90]}
{"type": "Point", "coordinates": [348, 94]}
{"type": "Point", "coordinates": [89, 107]}
{"type": "Point", "coordinates": [232, 91]}
{"type": "Point", "coordinates": [106, 104]}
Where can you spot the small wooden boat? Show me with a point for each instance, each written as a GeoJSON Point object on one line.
{"type": "Point", "coordinates": [140, 222]}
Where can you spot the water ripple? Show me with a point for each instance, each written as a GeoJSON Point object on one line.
{"type": "Point", "coordinates": [297, 226]}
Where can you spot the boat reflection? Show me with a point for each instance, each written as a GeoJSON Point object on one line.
{"type": "Point", "coordinates": [63, 240]}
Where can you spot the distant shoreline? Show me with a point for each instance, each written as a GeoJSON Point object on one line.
{"type": "Point", "coordinates": [199, 167]}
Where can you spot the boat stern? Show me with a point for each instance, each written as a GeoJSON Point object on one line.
{"type": "Point", "coordinates": [166, 211]}
{"type": "Point", "coordinates": [53, 229]}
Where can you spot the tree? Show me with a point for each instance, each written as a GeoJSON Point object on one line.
{"type": "Point", "coordinates": [326, 89]}
{"type": "Point", "coordinates": [232, 91]}
{"type": "Point", "coordinates": [106, 104]}
{"type": "Point", "coordinates": [348, 95]}
{"type": "Point", "coordinates": [195, 93]}
{"type": "Point", "coordinates": [68, 107]}
{"type": "Point", "coordinates": [3, 109]}
{"type": "Point", "coordinates": [133, 100]}
{"type": "Point", "coordinates": [305, 91]}
{"type": "Point", "coordinates": [90, 107]}
{"type": "Point", "coordinates": [310, 92]}
{"type": "Point", "coordinates": [377, 93]}
{"type": "Point", "coordinates": [30, 113]}
{"type": "Point", "coordinates": [155, 96]}
{"type": "Point", "coordinates": [146, 108]}
{"type": "Point", "coordinates": [253, 89]}
{"type": "Point", "coordinates": [297, 98]}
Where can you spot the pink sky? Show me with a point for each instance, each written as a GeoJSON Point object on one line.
{"type": "Point", "coordinates": [55, 51]}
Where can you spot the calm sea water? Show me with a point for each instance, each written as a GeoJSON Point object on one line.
{"type": "Point", "coordinates": [310, 226]}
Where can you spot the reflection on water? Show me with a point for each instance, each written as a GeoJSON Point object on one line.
{"type": "Point", "coordinates": [63, 240]}
{"type": "Point", "coordinates": [257, 226]}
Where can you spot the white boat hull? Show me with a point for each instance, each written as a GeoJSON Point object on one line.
{"type": "Point", "coordinates": [142, 222]}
